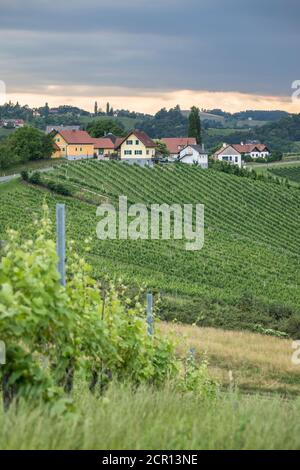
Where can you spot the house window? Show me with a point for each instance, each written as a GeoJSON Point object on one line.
{"type": "Point", "coordinates": [80, 149]}
{"type": "Point", "coordinates": [236, 159]}
{"type": "Point", "coordinates": [63, 149]}
{"type": "Point", "coordinates": [138, 152]}
{"type": "Point", "coordinates": [129, 142]}
{"type": "Point", "coordinates": [137, 142]}
{"type": "Point", "coordinates": [148, 152]}
{"type": "Point", "coordinates": [57, 140]}
{"type": "Point", "coordinates": [127, 152]}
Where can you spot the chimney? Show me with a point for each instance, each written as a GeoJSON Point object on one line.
{"type": "Point", "coordinates": [224, 145]}
{"type": "Point", "coordinates": [242, 143]}
{"type": "Point", "coordinates": [202, 147]}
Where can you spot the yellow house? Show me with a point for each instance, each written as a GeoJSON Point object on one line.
{"type": "Point", "coordinates": [136, 147]}
{"type": "Point", "coordinates": [73, 145]}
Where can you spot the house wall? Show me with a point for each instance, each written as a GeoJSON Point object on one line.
{"type": "Point", "coordinates": [230, 155]}
{"type": "Point", "coordinates": [62, 144]}
{"type": "Point", "coordinates": [80, 151]}
{"type": "Point", "coordinates": [129, 150]}
{"type": "Point", "coordinates": [104, 153]}
{"type": "Point", "coordinates": [191, 156]}
{"type": "Point", "coordinates": [259, 154]}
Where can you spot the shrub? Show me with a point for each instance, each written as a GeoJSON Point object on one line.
{"type": "Point", "coordinates": [53, 331]}
{"type": "Point", "coordinates": [25, 175]}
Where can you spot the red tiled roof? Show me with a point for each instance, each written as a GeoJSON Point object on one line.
{"type": "Point", "coordinates": [262, 147]}
{"type": "Point", "coordinates": [103, 143]}
{"type": "Point", "coordinates": [77, 137]}
{"type": "Point", "coordinates": [140, 135]}
{"type": "Point", "coordinates": [175, 144]}
{"type": "Point", "coordinates": [118, 142]}
{"type": "Point", "coordinates": [248, 148]}
{"type": "Point", "coordinates": [244, 148]}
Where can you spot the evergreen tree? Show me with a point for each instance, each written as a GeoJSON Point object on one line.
{"type": "Point", "coordinates": [107, 109]}
{"type": "Point", "coordinates": [46, 111]}
{"type": "Point", "coordinates": [96, 109]}
{"type": "Point", "coordinates": [195, 124]}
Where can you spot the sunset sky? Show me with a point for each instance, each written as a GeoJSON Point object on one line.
{"type": "Point", "coordinates": [144, 55]}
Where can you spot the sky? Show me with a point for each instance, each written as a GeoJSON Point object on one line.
{"type": "Point", "coordinates": [147, 54]}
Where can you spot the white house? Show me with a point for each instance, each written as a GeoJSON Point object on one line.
{"type": "Point", "coordinates": [194, 154]}
{"type": "Point", "coordinates": [229, 154]}
{"type": "Point", "coordinates": [234, 153]}
{"type": "Point", "coordinates": [176, 144]}
{"type": "Point", "coordinates": [254, 150]}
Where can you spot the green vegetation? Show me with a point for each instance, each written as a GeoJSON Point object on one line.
{"type": "Point", "coordinates": [250, 361]}
{"type": "Point", "coordinates": [89, 327]}
{"type": "Point", "coordinates": [248, 271]}
{"type": "Point", "coordinates": [195, 124]}
{"type": "Point", "coordinates": [288, 172]}
{"type": "Point", "coordinates": [32, 166]}
{"type": "Point", "coordinates": [23, 145]}
{"type": "Point", "coordinates": [5, 133]}
{"type": "Point", "coordinates": [147, 418]}
{"type": "Point", "coordinates": [100, 127]}
{"type": "Point", "coordinates": [165, 123]}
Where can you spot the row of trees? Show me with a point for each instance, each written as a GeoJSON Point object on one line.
{"type": "Point", "coordinates": [172, 123]}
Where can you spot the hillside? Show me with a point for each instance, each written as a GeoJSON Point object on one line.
{"type": "Point", "coordinates": [249, 361]}
{"type": "Point", "coordinates": [290, 172]}
{"type": "Point", "coordinates": [246, 276]}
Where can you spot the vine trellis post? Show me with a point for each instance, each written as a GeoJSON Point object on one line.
{"type": "Point", "coordinates": [61, 241]}
{"type": "Point", "coordinates": [150, 320]}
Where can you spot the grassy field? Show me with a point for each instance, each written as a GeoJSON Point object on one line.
{"type": "Point", "coordinates": [149, 418]}
{"type": "Point", "coordinates": [155, 419]}
{"type": "Point", "coordinates": [5, 133]}
{"type": "Point", "coordinates": [250, 361]}
{"type": "Point", "coordinates": [246, 276]}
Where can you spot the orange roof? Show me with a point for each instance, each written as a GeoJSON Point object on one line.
{"type": "Point", "coordinates": [175, 144]}
{"type": "Point", "coordinates": [76, 137]}
{"type": "Point", "coordinates": [103, 143]}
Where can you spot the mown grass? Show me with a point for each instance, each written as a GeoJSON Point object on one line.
{"type": "Point", "coordinates": [255, 362]}
{"type": "Point", "coordinates": [155, 419]}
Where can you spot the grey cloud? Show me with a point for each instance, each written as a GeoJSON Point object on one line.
{"type": "Point", "coordinates": [226, 45]}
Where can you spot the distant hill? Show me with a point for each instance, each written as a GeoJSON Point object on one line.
{"type": "Point", "coordinates": [206, 116]}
